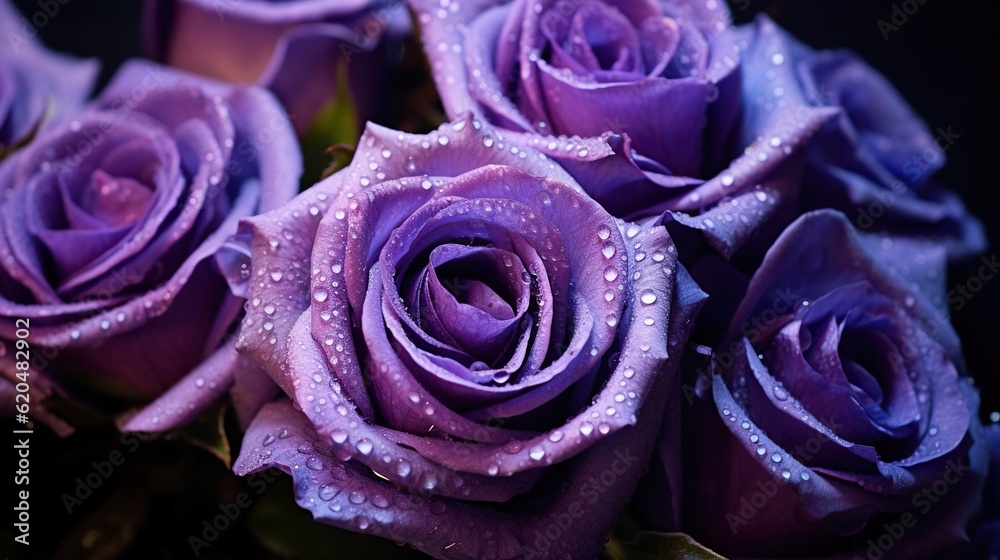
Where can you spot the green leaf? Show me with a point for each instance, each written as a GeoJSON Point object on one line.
{"type": "Point", "coordinates": [289, 531]}
{"type": "Point", "coordinates": [208, 432]}
{"type": "Point", "coordinates": [650, 545]}
{"type": "Point", "coordinates": [335, 125]}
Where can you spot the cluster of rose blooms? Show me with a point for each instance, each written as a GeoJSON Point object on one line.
{"type": "Point", "coordinates": [647, 242]}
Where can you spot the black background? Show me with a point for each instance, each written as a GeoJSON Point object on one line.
{"type": "Point", "coordinates": [939, 59]}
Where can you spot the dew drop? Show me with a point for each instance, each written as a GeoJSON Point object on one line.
{"type": "Point", "coordinates": [512, 446]}
{"type": "Point", "coordinates": [365, 446]}
{"type": "Point", "coordinates": [356, 498]}
{"type": "Point", "coordinates": [327, 492]}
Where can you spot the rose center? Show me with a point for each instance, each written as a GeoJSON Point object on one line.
{"type": "Point", "coordinates": [114, 201]}
{"type": "Point", "coordinates": [472, 298]}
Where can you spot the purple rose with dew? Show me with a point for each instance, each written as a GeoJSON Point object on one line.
{"type": "Point", "coordinates": [476, 355]}
{"type": "Point", "coordinates": [838, 421]}
{"type": "Point", "coordinates": [113, 224]}
{"type": "Point", "coordinates": [875, 162]}
{"type": "Point", "coordinates": [37, 87]}
{"type": "Point", "coordinates": [298, 49]}
{"type": "Point", "coordinates": [655, 107]}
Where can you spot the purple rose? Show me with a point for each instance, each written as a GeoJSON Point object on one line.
{"type": "Point", "coordinates": [476, 355]}
{"type": "Point", "coordinates": [37, 87]}
{"type": "Point", "coordinates": [658, 107]}
{"type": "Point", "coordinates": [298, 49]}
{"type": "Point", "coordinates": [875, 162]}
{"type": "Point", "coordinates": [837, 422]}
{"type": "Point", "coordinates": [111, 226]}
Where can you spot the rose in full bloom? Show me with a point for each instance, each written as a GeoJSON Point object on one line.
{"type": "Point", "coordinates": [838, 421]}
{"type": "Point", "coordinates": [655, 107]}
{"type": "Point", "coordinates": [476, 355]}
{"type": "Point", "coordinates": [37, 87]}
{"type": "Point", "coordinates": [875, 162]}
{"type": "Point", "coordinates": [298, 49]}
{"type": "Point", "coordinates": [112, 224]}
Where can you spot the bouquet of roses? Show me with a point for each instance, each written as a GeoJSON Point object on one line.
{"type": "Point", "coordinates": [491, 279]}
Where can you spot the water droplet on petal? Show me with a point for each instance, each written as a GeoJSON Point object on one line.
{"type": "Point", "coordinates": [365, 446]}
{"type": "Point", "coordinates": [327, 492]}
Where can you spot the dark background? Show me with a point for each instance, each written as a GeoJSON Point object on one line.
{"type": "Point", "coordinates": [939, 59]}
